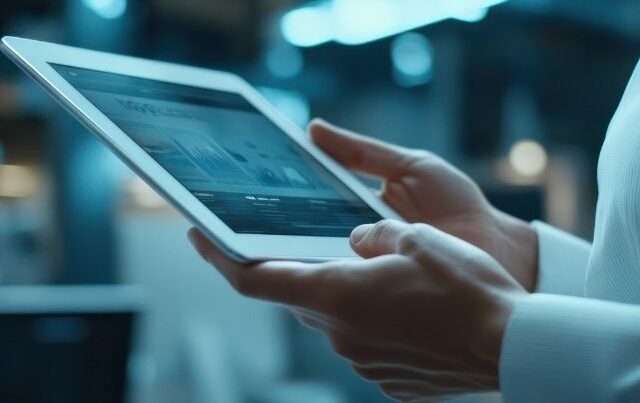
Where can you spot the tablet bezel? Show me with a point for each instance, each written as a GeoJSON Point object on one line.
{"type": "Point", "coordinates": [34, 58]}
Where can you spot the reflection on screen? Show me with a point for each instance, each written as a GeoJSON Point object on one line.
{"type": "Point", "coordinates": [233, 159]}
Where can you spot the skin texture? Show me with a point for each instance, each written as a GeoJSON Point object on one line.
{"type": "Point", "coordinates": [424, 188]}
{"type": "Point", "coordinates": [424, 313]}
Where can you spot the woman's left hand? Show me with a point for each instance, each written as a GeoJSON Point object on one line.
{"type": "Point", "coordinates": [422, 315]}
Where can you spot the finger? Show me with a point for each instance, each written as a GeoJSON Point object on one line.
{"type": "Point", "coordinates": [361, 153]}
{"type": "Point", "coordinates": [212, 253]}
{"type": "Point", "coordinates": [382, 238]}
{"type": "Point", "coordinates": [318, 287]}
{"type": "Point", "coordinates": [398, 195]}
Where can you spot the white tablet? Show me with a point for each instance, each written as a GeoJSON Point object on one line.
{"type": "Point", "coordinates": [248, 178]}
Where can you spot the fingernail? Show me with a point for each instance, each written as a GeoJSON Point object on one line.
{"type": "Point", "coordinates": [359, 232]}
{"type": "Point", "coordinates": [316, 122]}
{"type": "Point", "coordinates": [325, 123]}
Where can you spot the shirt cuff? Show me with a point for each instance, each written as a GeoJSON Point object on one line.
{"type": "Point", "coordinates": [563, 260]}
{"type": "Point", "coordinates": [567, 349]}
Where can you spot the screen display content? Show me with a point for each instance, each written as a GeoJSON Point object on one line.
{"type": "Point", "coordinates": [231, 157]}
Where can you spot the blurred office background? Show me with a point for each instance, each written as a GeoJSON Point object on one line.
{"type": "Point", "coordinates": [99, 285]}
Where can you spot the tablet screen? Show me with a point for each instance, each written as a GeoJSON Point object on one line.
{"type": "Point", "coordinates": [236, 161]}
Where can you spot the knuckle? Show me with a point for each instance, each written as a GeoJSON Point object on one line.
{"type": "Point", "coordinates": [420, 159]}
{"type": "Point", "coordinates": [409, 240]}
{"type": "Point", "coordinates": [412, 241]}
{"type": "Point", "coordinates": [381, 227]}
{"type": "Point", "coordinates": [412, 157]}
{"type": "Point", "coordinates": [382, 224]}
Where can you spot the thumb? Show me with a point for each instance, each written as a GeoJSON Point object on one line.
{"type": "Point", "coordinates": [382, 238]}
{"type": "Point", "coordinates": [360, 153]}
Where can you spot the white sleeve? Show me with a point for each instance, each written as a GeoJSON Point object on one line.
{"type": "Point", "coordinates": [568, 349]}
{"type": "Point", "coordinates": [562, 261]}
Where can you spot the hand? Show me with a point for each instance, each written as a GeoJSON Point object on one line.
{"type": "Point", "coordinates": [424, 188]}
{"type": "Point", "coordinates": [422, 316]}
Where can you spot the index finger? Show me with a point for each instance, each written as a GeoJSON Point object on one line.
{"type": "Point", "coordinates": [361, 153]}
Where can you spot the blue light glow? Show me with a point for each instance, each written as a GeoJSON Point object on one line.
{"type": "Point", "coordinates": [412, 57]}
{"type": "Point", "coordinates": [474, 15]}
{"type": "Point", "coordinates": [354, 22]}
{"type": "Point", "coordinates": [308, 26]}
{"type": "Point", "coordinates": [284, 60]}
{"type": "Point", "coordinates": [108, 9]}
{"type": "Point", "coordinates": [291, 104]}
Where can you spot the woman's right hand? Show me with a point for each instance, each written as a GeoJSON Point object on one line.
{"type": "Point", "coordinates": [424, 188]}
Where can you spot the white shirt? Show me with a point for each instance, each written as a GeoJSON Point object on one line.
{"type": "Point", "coordinates": [568, 342]}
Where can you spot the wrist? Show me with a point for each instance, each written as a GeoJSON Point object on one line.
{"type": "Point", "coordinates": [497, 323]}
{"type": "Point", "coordinates": [519, 248]}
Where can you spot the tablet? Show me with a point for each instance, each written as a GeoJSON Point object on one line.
{"type": "Point", "coordinates": [248, 178]}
